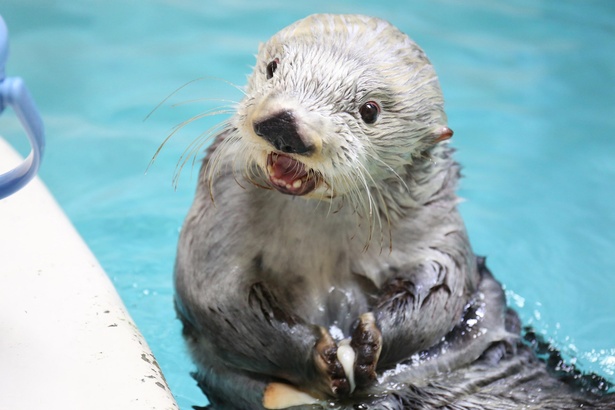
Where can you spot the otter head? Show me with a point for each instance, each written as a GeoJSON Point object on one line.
{"type": "Point", "coordinates": [338, 103]}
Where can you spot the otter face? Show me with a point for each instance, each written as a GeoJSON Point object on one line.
{"type": "Point", "coordinates": [336, 104]}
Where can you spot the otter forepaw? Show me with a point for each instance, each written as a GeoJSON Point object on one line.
{"type": "Point", "coordinates": [367, 344]}
{"type": "Point", "coordinates": [329, 365]}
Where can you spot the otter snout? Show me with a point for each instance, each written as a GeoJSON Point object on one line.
{"type": "Point", "coordinates": [281, 131]}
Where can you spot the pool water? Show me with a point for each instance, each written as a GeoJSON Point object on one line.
{"type": "Point", "coordinates": [530, 95]}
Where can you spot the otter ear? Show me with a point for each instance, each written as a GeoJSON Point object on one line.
{"type": "Point", "coordinates": [442, 134]}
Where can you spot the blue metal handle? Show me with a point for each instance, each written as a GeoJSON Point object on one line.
{"type": "Point", "coordinates": [14, 93]}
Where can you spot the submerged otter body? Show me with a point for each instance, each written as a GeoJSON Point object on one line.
{"type": "Point", "coordinates": [324, 264]}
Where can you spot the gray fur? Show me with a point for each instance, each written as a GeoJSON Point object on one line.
{"type": "Point", "coordinates": [261, 277]}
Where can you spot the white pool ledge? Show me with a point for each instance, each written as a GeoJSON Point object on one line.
{"type": "Point", "coordinates": [66, 340]}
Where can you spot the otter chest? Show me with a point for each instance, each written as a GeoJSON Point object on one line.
{"type": "Point", "coordinates": [306, 253]}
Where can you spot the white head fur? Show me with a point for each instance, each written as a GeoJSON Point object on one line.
{"type": "Point", "coordinates": [325, 68]}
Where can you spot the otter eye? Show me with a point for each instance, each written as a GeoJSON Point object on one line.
{"type": "Point", "coordinates": [271, 67]}
{"type": "Point", "coordinates": [369, 112]}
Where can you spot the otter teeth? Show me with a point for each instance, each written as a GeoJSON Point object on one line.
{"type": "Point", "coordinates": [289, 175]}
{"type": "Point", "coordinates": [295, 185]}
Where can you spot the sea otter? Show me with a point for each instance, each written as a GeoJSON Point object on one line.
{"type": "Point", "coordinates": [324, 263]}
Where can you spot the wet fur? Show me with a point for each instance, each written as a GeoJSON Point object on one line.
{"type": "Point", "coordinates": [262, 278]}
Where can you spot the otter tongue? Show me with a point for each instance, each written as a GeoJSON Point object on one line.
{"type": "Point", "coordinates": [288, 175]}
{"type": "Point", "coordinates": [285, 169]}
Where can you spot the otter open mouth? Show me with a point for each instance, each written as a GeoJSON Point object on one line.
{"type": "Point", "coordinates": [290, 176]}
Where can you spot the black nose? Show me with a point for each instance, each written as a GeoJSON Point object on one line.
{"type": "Point", "coordinates": [280, 130]}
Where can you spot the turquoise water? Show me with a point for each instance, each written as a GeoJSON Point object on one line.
{"type": "Point", "coordinates": [530, 94]}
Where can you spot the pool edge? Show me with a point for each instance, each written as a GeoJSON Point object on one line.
{"type": "Point", "coordinates": [67, 339]}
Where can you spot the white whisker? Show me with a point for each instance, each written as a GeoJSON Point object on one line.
{"type": "Point", "coordinates": [183, 124]}
{"type": "Point", "coordinates": [374, 157]}
{"type": "Point", "coordinates": [221, 110]}
{"type": "Point", "coordinates": [233, 102]}
{"type": "Point", "coordinates": [384, 210]}
{"type": "Point", "coordinates": [195, 147]}
{"type": "Point", "coordinates": [171, 95]}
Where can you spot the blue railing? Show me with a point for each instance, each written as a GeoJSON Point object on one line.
{"type": "Point", "coordinates": [14, 93]}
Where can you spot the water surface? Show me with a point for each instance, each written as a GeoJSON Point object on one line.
{"type": "Point", "coordinates": [529, 90]}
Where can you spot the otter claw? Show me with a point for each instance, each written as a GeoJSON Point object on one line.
{"type": "Point", "coordinates": [367, 344]}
